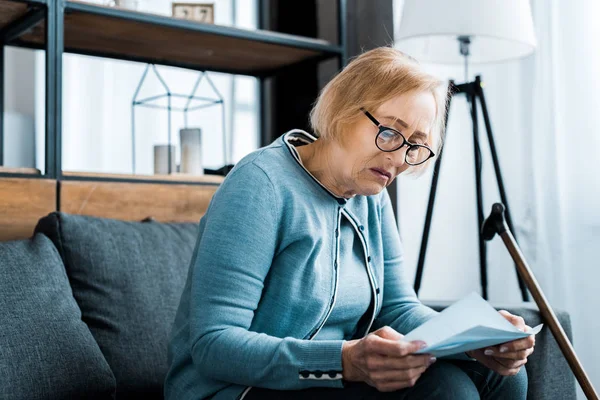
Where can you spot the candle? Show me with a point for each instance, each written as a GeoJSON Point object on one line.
{"type": "Point", "coordinates": [191, 151]}
{"type": "Point", "coordinates": [161, 159]}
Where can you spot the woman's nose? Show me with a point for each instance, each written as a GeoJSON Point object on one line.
{"type": "Point", "coordinates": [399, 157]}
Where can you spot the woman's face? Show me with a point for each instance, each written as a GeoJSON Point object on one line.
{"type": "Point", "coordinates": [364, 168]}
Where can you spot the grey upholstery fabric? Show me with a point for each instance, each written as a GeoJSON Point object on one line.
{"type": "Point", "coordinates": [46, 351]}
{"type": "Point", "coordinates": [127, 278]}
{"type": "Point", "coordinates": [548, 371]}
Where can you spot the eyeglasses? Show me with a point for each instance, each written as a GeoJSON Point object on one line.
{"type": "Point", "coordinates": [389, 140]}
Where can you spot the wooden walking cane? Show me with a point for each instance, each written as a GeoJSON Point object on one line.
{"type": "Point", "coordinates": [495, 224]}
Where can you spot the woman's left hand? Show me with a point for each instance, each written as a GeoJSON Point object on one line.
{"type": "Point", "coordinates": [507, 358]}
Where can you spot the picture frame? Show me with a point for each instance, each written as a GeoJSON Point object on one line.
{"type": "Point", "coordinates": [199, 12]}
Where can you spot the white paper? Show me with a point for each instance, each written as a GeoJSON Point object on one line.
{"type": "Point", "coordinates": [469, 324]}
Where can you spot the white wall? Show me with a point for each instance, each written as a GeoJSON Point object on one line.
{"type": "Point", "coordinates": [544, 111]}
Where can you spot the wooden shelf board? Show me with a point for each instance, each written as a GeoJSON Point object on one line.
{"type": "Point", "coordinates": [172, 177]}
{"type": "Point", "coordinates": [135, 202]}
{"type": "Point", "coordinates": [18, 170]}
{"type": "Point", "coordinates": [136, 36]}
{"type": "Point", "coordinates": [11, 11]}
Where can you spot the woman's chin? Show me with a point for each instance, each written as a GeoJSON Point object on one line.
{"type": "Point", "coordinates": [372, 189]}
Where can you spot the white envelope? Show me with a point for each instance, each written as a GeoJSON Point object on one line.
{"type": "Point", "coordinates": [468, 324]}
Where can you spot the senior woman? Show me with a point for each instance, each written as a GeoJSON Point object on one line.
{"type": "Point", "coordinates": [296, 286]}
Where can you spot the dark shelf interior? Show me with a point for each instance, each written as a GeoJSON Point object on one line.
{"type": "Point", "coordinates": [11, 11]}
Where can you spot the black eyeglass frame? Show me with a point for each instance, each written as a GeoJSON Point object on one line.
{"type": "Point", "coordinates": [410, 145]}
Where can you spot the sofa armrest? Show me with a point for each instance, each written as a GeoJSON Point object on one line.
{"type": "Point", "coordinates": [547, 369]}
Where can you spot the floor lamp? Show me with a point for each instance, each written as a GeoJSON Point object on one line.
{"type": "Point", "coordinates": [464, 31]}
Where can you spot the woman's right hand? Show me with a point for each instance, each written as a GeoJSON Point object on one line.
{"type": "Point", "coordinates": [383, 360]}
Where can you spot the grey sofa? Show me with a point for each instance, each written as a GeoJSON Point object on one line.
{"type": "Point", "coordinates": [86, 307]}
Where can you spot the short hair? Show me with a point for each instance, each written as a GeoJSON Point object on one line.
{"type": "Point", "coordinates": [370, 80]}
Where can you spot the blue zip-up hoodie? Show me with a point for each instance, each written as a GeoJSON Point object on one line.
{"type": "Point", "coordinates": [263, 281]}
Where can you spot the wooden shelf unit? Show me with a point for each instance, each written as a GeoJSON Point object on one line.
{"type": "Point", "coordinates": [117, 33]}
{"type": "Point", "coordinates": [60, 26]}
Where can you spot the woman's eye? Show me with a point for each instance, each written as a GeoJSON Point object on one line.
{"type": "Point", "coordinates": [388, 135]}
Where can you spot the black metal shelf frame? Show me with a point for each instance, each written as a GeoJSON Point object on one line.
{"type": "Point", "coordinates": [53, 13]}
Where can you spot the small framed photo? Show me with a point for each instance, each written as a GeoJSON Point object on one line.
{"type": "Point", "coordinates": [200, 12]}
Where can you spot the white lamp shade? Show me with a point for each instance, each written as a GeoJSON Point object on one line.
{"type": "Point", "coordinates": [499, 30]}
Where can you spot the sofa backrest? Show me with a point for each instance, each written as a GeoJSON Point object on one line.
{"type": "Point", "coordinates": [127, 278]}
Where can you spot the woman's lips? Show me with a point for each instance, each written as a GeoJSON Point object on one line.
{"type": "Point", "coordinates": [380, 173]}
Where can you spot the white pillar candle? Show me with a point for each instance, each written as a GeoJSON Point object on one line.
{"type": "Point", "coordinates": [161, 159]}
{"type": "Point", "coordinates": [191, 151]}
{"type": "Point", "coordinates": [128, 4]}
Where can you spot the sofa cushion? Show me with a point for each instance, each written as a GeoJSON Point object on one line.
{"type": "Point", "coordinates": [127, 278]}
{"type": "Point", "coordinates": [46, 351]}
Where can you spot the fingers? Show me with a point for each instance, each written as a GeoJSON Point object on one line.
{"type": "Point", "coordinates": [397, 375]}
{"type": "Point", "coordinates": [504, 350]}
{"type": "Point", "coordinates": [395, 339]}
{"type": "Point", "coordinates": [388, 381]}
{"type": "Point", "coordinates": [388, 362]}
{"type": "Point", "coordinates": [376, 362]}
{"type": "Point", "coordinates": [516, 355]}
{"type": "Point", "coordinates": [388, 333]}
{"type": "Point", "coordinates": [376, 342]}
{"type": "Point", "coordinates": [508, 368]}
{"type": "Point", "coordinates": [517, 321]}
{"type": "Point", "coordinates": [501, 366]}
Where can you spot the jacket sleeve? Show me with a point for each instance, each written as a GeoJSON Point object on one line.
{"type": "Point", "coordinates": [401, 309]}
{"type": "Point", "coordinates": [230, 263]}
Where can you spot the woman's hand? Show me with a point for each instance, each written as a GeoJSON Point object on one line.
{"type": "Point", "coordinates": [383, 360]}
{"type": "Point", "coordinates": [507, 358]}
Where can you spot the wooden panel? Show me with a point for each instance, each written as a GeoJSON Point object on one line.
{"type": "Point", "coordinates": [20, 170]}
{"type": "Point", "coordinates": [22, 203]}
{"type": "Point", "coordinates": [136, 201]}
{"type": "Point", "coordinates": [172, 177]}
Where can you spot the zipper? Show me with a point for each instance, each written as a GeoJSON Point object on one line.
{"type": "Point", "coordinates": [335, 287]}
{"type": "Point", "coordinates": [369, 272]}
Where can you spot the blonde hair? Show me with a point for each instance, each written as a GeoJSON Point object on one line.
{"type": "Point", "coordinates": [370, 80]}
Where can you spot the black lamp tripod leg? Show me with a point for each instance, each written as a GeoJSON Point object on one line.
{"type": "Point", "coordinates": [488, 126]}
{"type": "Point", "coordinates": [472, 97]}
{"type": "Point", "coordinates": [426, 228]}
{"type": "Point", "coordinates": [430, 203]}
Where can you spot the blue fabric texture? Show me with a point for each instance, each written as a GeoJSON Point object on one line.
{"type": "Point", "coordinates": [354, 295]}
{"type": "Point", "coordinates": [46, 350]}
{"type": "Point", "coordinates": [444, 380]}
{"type": "Point", "coordinates": [263, 279]}
{"type": "Point", "coordinates": [127, 278]}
